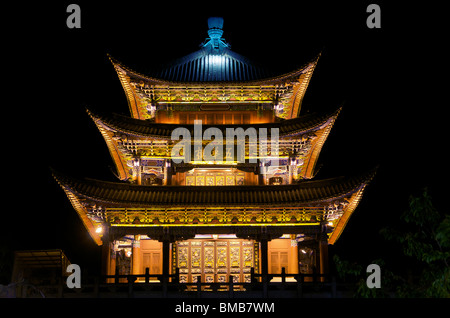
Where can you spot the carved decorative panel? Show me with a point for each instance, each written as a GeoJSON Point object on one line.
{"type": "Point", "coordinates": [196, 254]}
{"type": "Point", "coordinates": [222, 256]}
{"type": "Point", "coordinates": [220, 180]}
{"type": "Point", "coordinates": [235, 256]}
{"type": "Point", "coordinates": [248, 256]}
{"type": "Point", "coordinates": [182, 257]}
{"type": "Point", "coordinates": [209, 258]}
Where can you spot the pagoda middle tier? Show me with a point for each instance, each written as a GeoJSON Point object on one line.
{"type": "Point", "coordinates": [142, 151]}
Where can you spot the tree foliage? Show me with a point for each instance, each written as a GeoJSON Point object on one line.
{"type": "Point", "coordinates": [354, 274]}
{"type": "Point", "coordinates": [424, 236]}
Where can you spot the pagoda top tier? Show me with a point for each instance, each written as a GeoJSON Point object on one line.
{"type": "Point", "coordinates": [214, 75]}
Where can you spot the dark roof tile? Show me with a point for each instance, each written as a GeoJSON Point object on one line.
{"type": "Point", "coordinates": [146, 128]}
{"type": "Point", "coordinates": [125, 194]}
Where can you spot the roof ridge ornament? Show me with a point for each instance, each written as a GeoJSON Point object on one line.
{"type": "Point", "coordinates": [215, 32]}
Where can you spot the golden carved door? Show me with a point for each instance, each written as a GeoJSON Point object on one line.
{"type": "Point", "coordinates": [213, 261]}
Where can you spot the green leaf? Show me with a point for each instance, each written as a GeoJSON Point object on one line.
{"type": "Point", "coordinates": [443, 232]}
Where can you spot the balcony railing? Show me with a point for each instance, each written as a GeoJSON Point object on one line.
{"type": "Point", "coordinates": [158, 285]}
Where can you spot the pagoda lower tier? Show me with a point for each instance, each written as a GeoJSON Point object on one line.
{"type": "Point", "coordinates": [174, 220]}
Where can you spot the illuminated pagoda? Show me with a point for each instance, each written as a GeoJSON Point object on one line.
{"type": "Point", "coordinates": [214, 219]}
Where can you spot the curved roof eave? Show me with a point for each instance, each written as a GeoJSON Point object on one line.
{"type": "Point", "coordinates": [307, 192]}
{"type": "Point", "coordinates": [144, 128]}
{"type": "Point", "coordinates": [279, 79]}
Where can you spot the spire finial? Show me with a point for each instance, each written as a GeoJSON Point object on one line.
{"type": "Point", "coordinates": [215, 25]}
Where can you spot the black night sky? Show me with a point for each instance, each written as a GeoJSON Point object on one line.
{"type": "Point", "coordinates": [387, 79]}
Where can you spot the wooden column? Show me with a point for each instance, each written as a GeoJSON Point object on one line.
{"type": "Point", "coordinates": [291, 168]}
{"type": "Point", "coordinates": [137, 170]}
{"type": "Point", "coordinates": [293, 255]}
{"type": "Point", "coordinates": [136, 256]}
{"type": "Point", "coordinates": [261, 175]}
{"type": "Point", "coordinates": [166, 257]}
{"type": "Point", "coordinates": [106, 252]}
{"type": "Point", "coordinates": [323, 250]}
{"type": "Point", "coordinates": [264, 256]}
{"type": "Point", "coordinates": [166, 238]}
{"type": "Point", "coordinates": [168, 172]}
{"type": "Point", "coordinates": [112, 261]}
{"type": "Point", "coordinates": [166, 264]}
{"type": "Point", "coordinates": [105, 256]}
{"type": "Point", "coordinates": [139, 176]}
{"type": "Point", "coordinates": [264, 264]}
